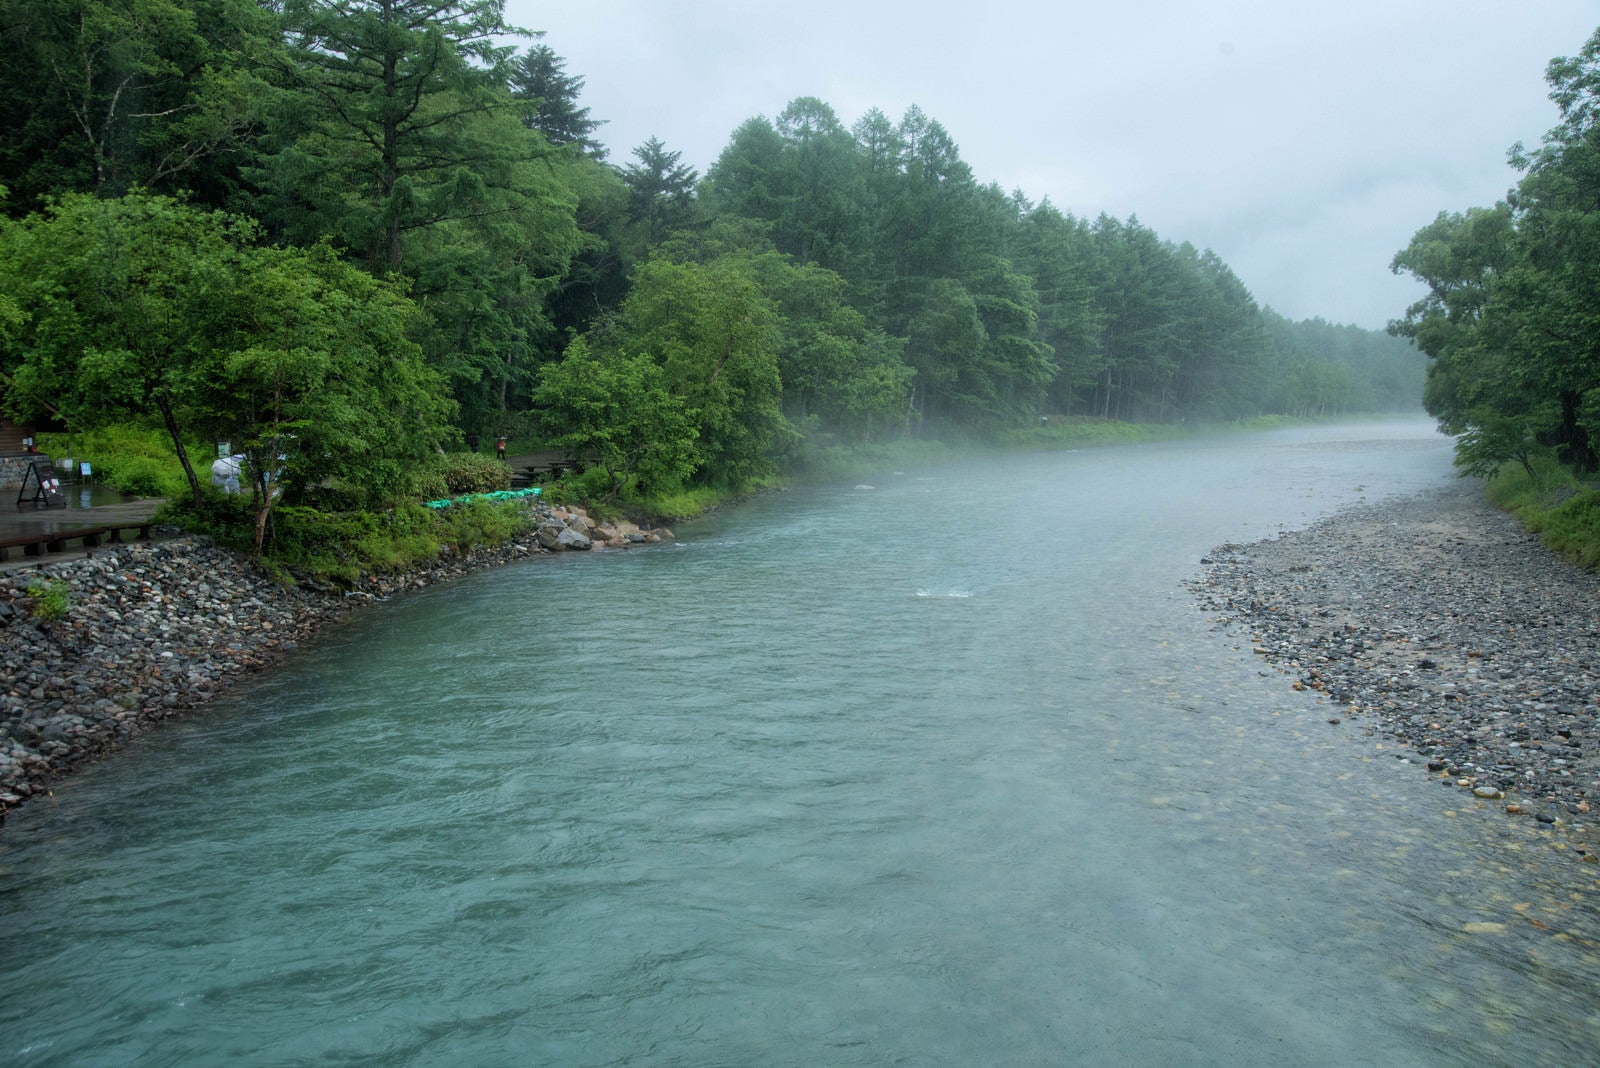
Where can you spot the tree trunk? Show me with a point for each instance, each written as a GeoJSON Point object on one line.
{"type": "Point", "coordinates": [1572, 438]}
{"type": "Point", "coordinates": [262, 514]}
{"type": "Point", "coordinates": [164, 406]}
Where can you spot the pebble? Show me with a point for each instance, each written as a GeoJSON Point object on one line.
{"type": "Point", "coordinates": [1435, 620]}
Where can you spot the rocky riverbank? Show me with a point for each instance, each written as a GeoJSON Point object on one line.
{"type": "Point", "coordinates": [151, 631]}
{"type": "Point", "coordinates": [1438, 621]}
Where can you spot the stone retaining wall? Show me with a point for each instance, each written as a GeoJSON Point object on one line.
{"type": "Point", "coordinates": [12, 470]}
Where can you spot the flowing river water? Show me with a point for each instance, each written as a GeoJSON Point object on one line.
{"type": "Point", "coordinates": [948, 770]}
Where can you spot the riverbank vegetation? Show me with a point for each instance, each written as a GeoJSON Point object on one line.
{"type": "Point", "coordinates": [348, 238]}
{"type": "Point", "coordinates": [1511, 323]}
{"type": "Point", "coordinates": [1552, 501]}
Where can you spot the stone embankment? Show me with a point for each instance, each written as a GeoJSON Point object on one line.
{"type": "Point", "coordinates": [154, 630]}
{"type": "Point", "coordinates": [1438, 621]}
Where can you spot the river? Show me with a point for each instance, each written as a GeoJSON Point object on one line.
{"type": "Point", "coordinates": [944, 770]}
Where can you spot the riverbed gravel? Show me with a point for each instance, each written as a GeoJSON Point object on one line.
{"type": "Point", "coordinates": [1435, 620]}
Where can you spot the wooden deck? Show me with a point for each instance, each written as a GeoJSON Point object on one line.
{"type": "Point", "coordinates": [55, 541]}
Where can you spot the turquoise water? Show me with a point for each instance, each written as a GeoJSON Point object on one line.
{"type": "Point", "coordinates": [948, 770]}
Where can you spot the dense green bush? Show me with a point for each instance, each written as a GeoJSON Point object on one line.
{"type": "Point", "coordinates": [456, 473]}
{"type": "Point", "coordinates": [591, 484]}
{"type": "Point", "coordinates": [135, 460]}
{"type": "Point", "coordinates": [228, 519]}
{"type": "Point", "coordinates": [471, 524]}
{"type": "Point", "coordinates": [474, 472]}
{"type": "Point", "coordinates": [342, 546]}
{"type": "Point", "coordinates": [471, 472]}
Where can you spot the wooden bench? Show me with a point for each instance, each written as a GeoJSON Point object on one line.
{"type": "Point", "coordinates": [55, 541]}
{"type": "Point", "coordinates": [554, 470]}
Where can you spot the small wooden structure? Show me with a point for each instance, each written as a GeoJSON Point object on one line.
{"type": "Point", "coordinates": [540, 468]}
{"type": "Point", "coordinates": [15, 438]}
{"type": "Point", "coordinates": [55, 541]}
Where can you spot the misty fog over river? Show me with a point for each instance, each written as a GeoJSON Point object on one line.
{"type": "Point", "coordinates": [945, 770]}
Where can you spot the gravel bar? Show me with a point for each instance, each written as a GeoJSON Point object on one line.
{"type": "Point", "coordinates": [1438, 621]}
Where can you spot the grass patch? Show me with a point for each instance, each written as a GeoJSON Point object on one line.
{"type": "Point", "coordinates": [1554, 503]}
{"type": "Point", "coordinates": [50, 600]}
{"type": "Point", "coordinates": [481, 523]}
{"type": "Point", "coordinates": [1081, 433]}
{"type": "Point", "coordinates": [683, 504]}
{"type": "Point", "coordinates": [837, 463]}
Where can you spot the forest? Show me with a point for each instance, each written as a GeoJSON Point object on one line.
{"type": "Point", "coordinates": [345, 236]}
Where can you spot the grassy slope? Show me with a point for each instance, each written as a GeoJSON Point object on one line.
{"type": "Point", "coordinates": [1558, 506]}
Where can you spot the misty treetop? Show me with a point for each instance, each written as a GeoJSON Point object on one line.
{"type": "Point", "coordinates": [818, 283]}
{"type": "Point", "coordinates": [1010, 309]}
{"type": "Point", "coordinates": [1511, 318]}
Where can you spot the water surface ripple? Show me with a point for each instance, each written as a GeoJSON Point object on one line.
{"type": "Point", "coordinates": [949, 770]}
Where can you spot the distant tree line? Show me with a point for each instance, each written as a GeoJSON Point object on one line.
{"type": "Point", "coordinates": [341, 233]}
{"type": "Point", "coordinates": [1511, 319]}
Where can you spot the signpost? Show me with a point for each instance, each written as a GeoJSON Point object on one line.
{"type": "Point", "coordinates": [46, 486]}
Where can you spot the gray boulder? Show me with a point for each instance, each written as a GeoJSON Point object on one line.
{"type": "Point", "coordinates": [572, 539]}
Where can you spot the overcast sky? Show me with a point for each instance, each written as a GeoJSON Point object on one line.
{"type": "Point", "coordinates": [1304, 142]}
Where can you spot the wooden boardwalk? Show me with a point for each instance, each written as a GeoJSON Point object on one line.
{"type": "Point", "coordinates": [31, 535]}
{"type": "Point", "coordinates": [55, 541]}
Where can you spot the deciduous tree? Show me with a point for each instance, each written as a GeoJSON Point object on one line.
{"type": "Point", "coordinates": [617, 412]}
{"type": "Point", "coordinates": [141, 305]}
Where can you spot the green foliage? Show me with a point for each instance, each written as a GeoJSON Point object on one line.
{"type": "Point", "coordinates": [841, 461]}
{"type": "Point", "coordinates": [472, 472]}
{"type": "Point", "coordinates": [660, 191]}
{"type": "Point", "coordinates": [398, 139]}
{"type": "Point", "coordinates": [824, 287]}
{"type": "Point", "coordinates": [386, 140]}
{"type": "Point", "coordinates": [338, 546]}
{"type": "Point", "coordinates": [476, 523]}
{"type": "Point", "coordinates": [1511, 319]}
{"type": "Point", "coordinates": [105, 96]}
{"type": "Point", "coordinates": [453, 474]}
{"type": "Point", "coordinates": [343, 546]}
{"type": "Point", "coordinates": [1554, 503]}
{"type": "Point", "coordinates": [539, 80]}
{"type": "Point", "coordinates": [138, 461]}
{"type": "Point", "coordinates": [226, 518]}
{"type": "Point", "coordinates": [126, 311]}
{"type": "Point", "coordinates": [51, 599]}
{"type": "Point", "coordinates": [594, 484]}
{"type": "Point", "coordinates": [1065, 432]}
{"type": "Point", "coordinates": [142, 306]}
{"type": "Point", "coordinates": [1491, 439]}
{"type": "Point", "coordinates": [1006, 309]}
{"type": "Point", "coordinates": [617, 413]}
{"type": "Point", "coordinates": [684, 503]}
{"type": "Point", "coordinates": [1572, 528]}
{"type": "Point", "coordinates": [325, 544]}
{"type": "Point", "coordinates": [714, 335]}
